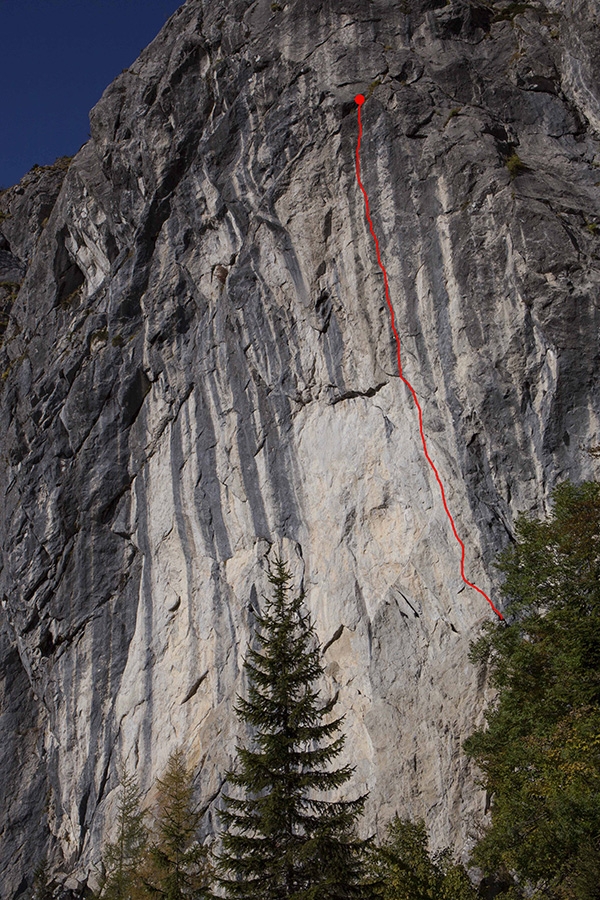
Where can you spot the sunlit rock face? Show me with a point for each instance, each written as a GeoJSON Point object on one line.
{"type": "Point", "coordinates": [198, 373]}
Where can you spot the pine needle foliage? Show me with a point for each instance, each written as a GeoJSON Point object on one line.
{"type": "Point", "coordinates": [43, 885]}
{"type": "Point", "coordinates": [122, 858]}
{"type": "Point", "coordinates": [283, 839]}
{"type": "Point", "coordinates": [404, 869]}
{"type": "Point", "coordinates": [540, 751]}
{"type": "Point", "coordinates": [176, 866]}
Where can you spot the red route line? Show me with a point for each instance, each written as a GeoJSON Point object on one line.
{"type": "Point", "coordinates": [359, 99]}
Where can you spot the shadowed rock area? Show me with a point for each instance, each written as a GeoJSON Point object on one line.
{"type": "Point", "coordinates": [197, 372]}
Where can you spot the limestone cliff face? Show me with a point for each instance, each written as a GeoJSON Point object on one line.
{"type": "Point", "coordinates": [198, 372]}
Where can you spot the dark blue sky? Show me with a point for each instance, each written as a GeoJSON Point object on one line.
{"type": "Point", "coordinates": [57, 58]}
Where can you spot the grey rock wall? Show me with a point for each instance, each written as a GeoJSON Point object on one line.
{"type": "Point", "coordinates": [198, 373]}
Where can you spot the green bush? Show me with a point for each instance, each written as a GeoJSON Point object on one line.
{"type": "Point", "coordinates": [515, 165]}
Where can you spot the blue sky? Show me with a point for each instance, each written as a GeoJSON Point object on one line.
{"type": "Point", "coordinates": [57, 58]}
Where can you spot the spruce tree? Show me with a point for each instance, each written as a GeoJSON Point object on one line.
{"type": "Point", "coordinates": [404, 869]}
{"type": "Point", "coordinates": [283, 839]}
{"type": "Point", "coordinates": [43, 886]}
{"type": "Point", "coordinates": [176, 866]}
{"type": "Point", "coordinates": [121, 859]}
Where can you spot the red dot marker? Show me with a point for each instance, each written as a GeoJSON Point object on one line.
{"type": "Point", "coordinates": [359, 99]}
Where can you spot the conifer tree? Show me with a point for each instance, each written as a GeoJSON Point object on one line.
{"type": "Point", "coordinates": [404, 869]}
{"type": "Point", "coordinates": [122, 859]}
{"type": "Point", "coordinates": [540, 751]}
{"type": "Point", "coordinates": [283, 839]}
{"type": "Point", "coordinates": [43, 886]}
{"type": "Point", "coordinates": [176, 866]}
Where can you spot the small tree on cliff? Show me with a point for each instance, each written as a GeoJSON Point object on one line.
{"type": "Point", "coordinates": [121, 860]}
{"type": "Point", "coordinates": [283, 838]}
{"type": "Point", "coordinates": [43, 885]}
{"type": "Point", "coordinates": [176, 866]}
